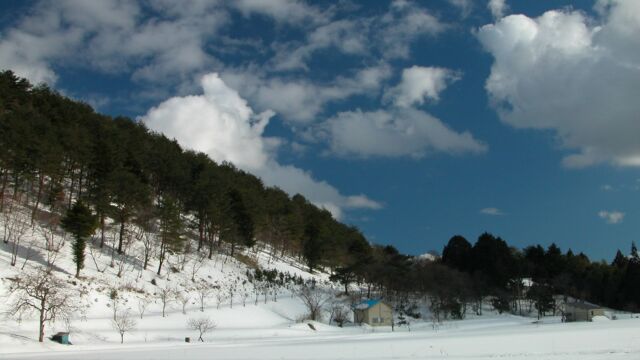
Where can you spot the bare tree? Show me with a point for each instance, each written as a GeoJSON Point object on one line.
{"type": "Point", "coordinates": [123, 322]}
{"type": "Point", "coordinates": [30, 251]}
{"type": "Point", "coordinates": [221, 294]}
{"type": "Point", "coordinates": [142, 306]}
{"type": "Point", "coordinates": [146, 233]}
{"type": "Point", "coordinates": [95, 257]}
{"type": "Point", "coordinates": [15, 227]}
{"type": "Point", "coordinates": [121, 263]}
{"type": "Point", "coordinates": [202, 325]}
{"type": "Point", "coordinates": [166, 296]}
{"type": "Point", "coordinates": [197, 263]}
{"type": "Point", "coordinates": [244, 293]}
{"type": "Point", "coordinates": [184, 298]}
{"type": "Point", "coordinates": [314, 299]}
{"type": "Point", "coordinates": [339, 313]}
{"type": "Point", "coordinates": [54, 240]}
{"type": "Point", "coordinates": [204, 292]}
{"type": "Point", "coordinates": [43, 294]}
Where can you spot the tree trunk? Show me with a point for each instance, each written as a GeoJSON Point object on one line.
{"type": "Point", "coordinates": [73, 182]}
{"type": "Point", "coordinates": [122, 223]}
{"type": "Point", "coordinates": [35, 208]}
{"type": "Point", "coordinates": [146, 259]}
{"type": "Point", "coordinates": [5, 179]}
{"type": "Point", "coordinates": [160, 261]}
{"type": "Point", "coordinates": [211, 241]}
{"type": "Point", "coordinates": [200, 232]}
{"type": "Point", "coordinates": [102, 229]}
{"type": "Point", "coordinates": [41, 334]}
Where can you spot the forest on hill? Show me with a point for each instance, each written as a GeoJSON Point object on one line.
{"type": "Point", "coordinates": [91, 169]}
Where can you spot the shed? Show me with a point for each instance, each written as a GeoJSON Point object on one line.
{"type": "Point", "coordinates": [581, 311]}
{"type": "Point", "coordinates": [61, 337]}
{"type": "Point", "coordinates": [373, 312]}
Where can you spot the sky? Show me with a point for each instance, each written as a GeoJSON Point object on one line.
{"type": "Point", "coordinates": [412, 120]}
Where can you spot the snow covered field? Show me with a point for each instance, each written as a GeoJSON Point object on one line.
{"type": "Point", "coordinates": [498, 337]}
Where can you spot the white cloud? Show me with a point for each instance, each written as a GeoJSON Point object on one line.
{"type": "Point", "coordinates": [393, 133]}
{"type": "Point", "coordinates": [300, 100]}
{"type": "Point", "coordinates": [112, 36]}
{"type": "Point", "coordinates": [607, 187]}
{"type": "Point", "coordinates": [404, 23]}
{"type": "Point", "coordinates": [562, 71]}
{"type": "Point", "coordinates": [421, 83]}
{"type": "Point", "coordinates": [221, 124]}
{"type": "Point", "coordinates": [612, 217]}
{"type": "Point", "coordinates": [498, 8]}
{"type": "Point", "coordinates": [347, 36]}
{"type": "Point", "coordinates": [285, 11]}
{"type": "Point", "coordinates": [492, 211]}
{"type": "Point", "coordinates": [388, 36]}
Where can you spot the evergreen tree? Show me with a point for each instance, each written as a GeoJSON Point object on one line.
{"type": "Point", "coordinates": [457, 253]}
{"type": "Point", "coordinates": [171, 239]}
{"type": "Point", "coordinates": [81, 223]}
{"type": "Point", "coordinates": [240, 231]}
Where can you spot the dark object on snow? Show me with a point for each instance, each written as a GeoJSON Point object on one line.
{"type": "Point", "coordinates": [311, 326]}
{"type": "Point", "coordinates": [187, 339]}
{"type": "Point", "coordinates": [62, 338]}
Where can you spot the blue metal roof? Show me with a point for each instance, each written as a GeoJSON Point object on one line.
{"type": "Point", "coordinates": [367, 303]}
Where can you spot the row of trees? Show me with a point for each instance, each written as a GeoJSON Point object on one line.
{"type": "Point", "coordinates": [507, 272]}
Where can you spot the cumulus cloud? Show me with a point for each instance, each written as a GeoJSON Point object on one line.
{"type": "Point", "coordinates": [574, 75]}
{"type": "Point", "coordinates": [221, 124]}
{"type": "Point", "coordinates": [420, 83]}
{"type": "Point", "coordinates": [492, 211]}
{"type": "Point", "coordinates": [498, 8]}
{"type": "Point", "coordinates": [611, 217]}
{"type": "Point", "coordinates": [393, 133]}
{"type": "Point", "coordinates": [400, 129]}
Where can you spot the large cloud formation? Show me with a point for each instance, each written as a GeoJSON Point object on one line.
{"type": "Point", "coordinates": [221, 124]}
{"type": "Point", "coordinates": [577, 76]}
{"type": "Point", "coordinates": [395, 132]}
{"type": "Point", "coordinates": [400, 129]}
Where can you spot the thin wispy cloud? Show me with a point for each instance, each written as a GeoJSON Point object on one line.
{"type": "Point", "coordinates": [491, 211]}
{"type": "Point", "coordinates": [612, 217]}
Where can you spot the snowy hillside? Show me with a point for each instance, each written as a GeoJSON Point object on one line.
{"type": "Point", "coordinates": [223, 289]}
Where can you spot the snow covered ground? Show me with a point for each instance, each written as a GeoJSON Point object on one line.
{"type": "Point", "coordinates": [268, 330]}
{"type": "Point", "coordinates": [497, 337]}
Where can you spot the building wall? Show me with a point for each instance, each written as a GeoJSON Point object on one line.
{"type": "Point", "coordinates": [379, 314]}
{"type": "Point", "coordinates": [579, 314]}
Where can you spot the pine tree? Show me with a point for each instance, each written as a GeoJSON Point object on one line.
{"type": "Point", "coordinates": [81, 223]}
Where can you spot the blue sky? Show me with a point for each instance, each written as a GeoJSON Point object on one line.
{"type": "Point", "coordinates": [414, 121]}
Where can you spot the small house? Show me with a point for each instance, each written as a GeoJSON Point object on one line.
{"type": "Point", "coordinates": [373, 312]}
{"type": "Point", "coordinates": [580, 311]}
